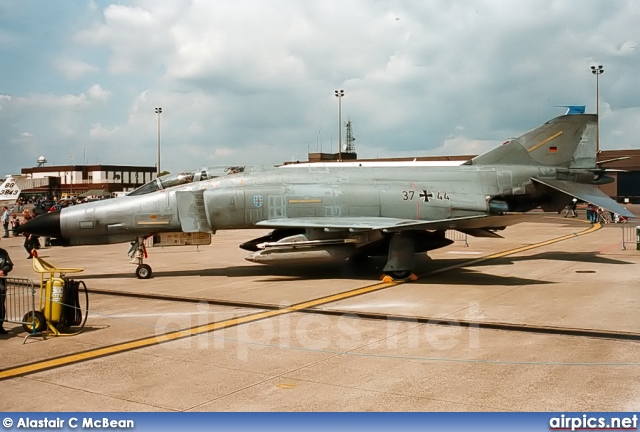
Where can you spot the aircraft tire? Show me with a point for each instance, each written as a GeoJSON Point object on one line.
{"type": "Point", "coordinates": [399, 275]}
{"type": "Point", "coordinates": [37, 322]}
{"type": "Point", "coordinates": [143, 271]}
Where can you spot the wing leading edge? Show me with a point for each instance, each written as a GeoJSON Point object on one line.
{"type": "Point", "coordinates": [392, 224]}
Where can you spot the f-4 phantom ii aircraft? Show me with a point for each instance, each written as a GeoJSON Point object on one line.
{"type": "Point", "coordinates": [338, 213]}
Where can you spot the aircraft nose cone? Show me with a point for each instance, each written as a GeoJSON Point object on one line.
{"type": "Point", "coordinates": [46, 225]}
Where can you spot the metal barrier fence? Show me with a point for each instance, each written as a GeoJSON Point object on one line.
{"type": "Point", "coordinates": [19, 298]}
{"type": "Point", "coordinates": [629, 235]}
{"type": "Point", "coordinates": [457, 236]}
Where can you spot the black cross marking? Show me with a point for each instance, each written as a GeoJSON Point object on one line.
{"type": "Point", "coordinates": [426, 195]}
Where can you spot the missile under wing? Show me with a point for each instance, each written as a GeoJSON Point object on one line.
{"type": "Point", "coordinates": [335, 213]}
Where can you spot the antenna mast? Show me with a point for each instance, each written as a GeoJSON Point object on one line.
{"type": "Point", "coordinates": [351, 148]}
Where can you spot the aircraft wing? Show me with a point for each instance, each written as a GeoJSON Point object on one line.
{"type": "Point", "coordinates": [587, 193]}
{"type": "Point", "coordinates": [338, 223]}
{"type": "Point", "coordinates": [393, 224]}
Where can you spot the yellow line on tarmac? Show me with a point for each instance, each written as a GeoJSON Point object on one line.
{"type": "Point", "coordinates": [158, 339]}
{"type": "Point", "coordinates": [180, 334]}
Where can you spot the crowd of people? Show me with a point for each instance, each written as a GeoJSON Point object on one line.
{"type": "Point", "coordinates": [12, 219]}
{"type": "Point", "coordinates": [594, 213]}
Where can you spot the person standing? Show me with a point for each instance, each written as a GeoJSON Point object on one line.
{"type": "Point", "coordinates": [591, 213]}
{"type": "Point", "coordinates": [574, 206]}
{"type": "Point", "coordinates": [31, 241]}
{"type": "Point", "coordinates": [47, 240]}
{"type": "Point", "coordinates": [15, 224]}
{"type": "Point", "coordinates": [571, 209]}
{"type": "Point", "coordinates": [5, 221]}
{"type": "Point", "coordinates": [5, 267]}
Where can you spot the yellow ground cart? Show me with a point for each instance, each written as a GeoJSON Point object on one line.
{"type": "Point", "coordinates": [60, 312]}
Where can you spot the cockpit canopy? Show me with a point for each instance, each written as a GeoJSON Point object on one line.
{"type": "Point", "coordinates": [184, 177]}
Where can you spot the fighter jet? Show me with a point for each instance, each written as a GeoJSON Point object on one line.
{"type": "Point", "coordinates": [337, 213]}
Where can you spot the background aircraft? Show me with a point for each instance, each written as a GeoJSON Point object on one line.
{"type": "Point", "coordinates": [336, 213]}
{"type": "Point", "coordinates": [10, 189]}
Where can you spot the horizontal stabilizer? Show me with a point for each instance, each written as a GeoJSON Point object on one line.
{"type": "Point", "coordinates": [587, 193]}
{"type": "Point", "coordinates": [613, 160]}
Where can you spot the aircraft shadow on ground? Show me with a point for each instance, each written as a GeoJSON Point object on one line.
{"type": "Point", "coordinates": [467, 276]}
{"type": "Point", "coordinates": [577, 257]}
{"type": "Point", "coordinates": [270, 273]}
{"type": "Point", "coordinates": [372, 269]}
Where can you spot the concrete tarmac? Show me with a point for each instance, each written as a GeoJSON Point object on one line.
{"type": "Point", "coordinates": [333, 338]}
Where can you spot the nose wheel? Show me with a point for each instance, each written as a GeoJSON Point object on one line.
{"type": "Point", "coordinates": [143, 271]}
{"type": "Point", "coordinates": [138, 252]}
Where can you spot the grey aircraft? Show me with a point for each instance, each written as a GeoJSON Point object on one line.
{"type": "Point", "coordinates": [335, 213]}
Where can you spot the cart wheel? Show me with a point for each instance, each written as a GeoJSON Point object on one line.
{"type": "Point", "coordinates": [37, 322]}
{"type": "Point", "coordinates": [143, 271]}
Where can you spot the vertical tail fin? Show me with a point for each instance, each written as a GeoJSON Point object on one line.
{"type": "Point", "coordinates": [565, 141]}
{"type": "Point", "coordinates": [10, 190]}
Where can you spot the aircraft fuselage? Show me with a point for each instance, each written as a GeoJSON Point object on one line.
{"type": "Point", "coordinates": [241, 201]}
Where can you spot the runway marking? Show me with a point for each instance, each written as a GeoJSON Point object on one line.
{"type": "Point", "coordinates": [66, 360]}
{"type": "Point", "coordinates": [180, 334]}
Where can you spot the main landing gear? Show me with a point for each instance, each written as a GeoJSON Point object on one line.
{"type": "Point", "coordinates": [139, 252]}
{"type": "Point", "coordinates": [400, 260]}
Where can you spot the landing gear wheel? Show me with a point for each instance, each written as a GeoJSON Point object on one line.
{"type": "Point", "coordinates": [37, 322]}
{"type": "Point", "coordinates": [143, 271]}
{"type": "Point", "coordinates": [405, 274]}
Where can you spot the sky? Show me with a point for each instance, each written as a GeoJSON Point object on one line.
{"type": "Point", "coordinates": [251, 82]}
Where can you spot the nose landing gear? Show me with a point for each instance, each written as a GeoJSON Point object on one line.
{"type": "Point", "coordinates": [139, 252]}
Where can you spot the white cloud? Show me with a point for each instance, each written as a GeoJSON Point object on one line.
{"type": "Point", "coordinates": [101, 133]}
{"type": "Point", "coordinates": [135, 37]}
{"type": "Point", "coordinates": [252, 82]}
{"type": "Point", "coordinates": [55, 103]}
{"type": "Point", "coordinates": [463, 146]}
{"type": "Point", "coordinates": [97, 93]}
{"type": "Point", "coordinates": [73, 69]}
